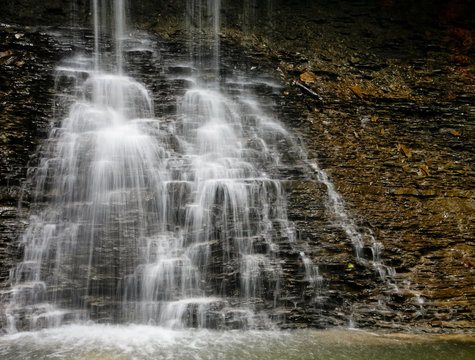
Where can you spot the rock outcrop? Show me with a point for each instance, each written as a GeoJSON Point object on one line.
{"type": "Point", "coordinates": [393, 125]}
{"type": "Point", "coordinates": [27, 58]}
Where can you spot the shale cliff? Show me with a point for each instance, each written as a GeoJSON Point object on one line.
{"type": "Point", "coordinates": [382, 95]}
{"type": "Point", "coordinates": [390, 116]}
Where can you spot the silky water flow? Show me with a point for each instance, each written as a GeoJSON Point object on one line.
{"type": "Point", "coordinates": [139, 219]}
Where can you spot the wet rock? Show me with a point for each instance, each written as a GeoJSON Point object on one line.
{"type": "Point", "coordinates": [26, 62]}
{"type": "Point", "coordinates": [394, 135]}
{"type": "Point", "coordinates": [403, 170]}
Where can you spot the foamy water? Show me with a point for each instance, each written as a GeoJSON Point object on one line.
{"type": "Point", "coordinates": [149, 342]}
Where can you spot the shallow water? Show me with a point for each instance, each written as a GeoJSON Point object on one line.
{"type": "Point", "coordinates": [136, 342]}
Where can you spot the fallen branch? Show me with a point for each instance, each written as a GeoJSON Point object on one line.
{"type": "Point", "coordinates": [308, 91]}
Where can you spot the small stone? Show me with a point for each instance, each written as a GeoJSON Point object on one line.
{"type": "Point", "coordinates": [308, 77]}
{"type": "Point", "coordinates": [7, 53]}
{"type": "Point", "coordinates": [404, 150]}
{"type": "Point", "coordinates": [425, 170]}
{"type": "Point", "coordinates": [357, 91]}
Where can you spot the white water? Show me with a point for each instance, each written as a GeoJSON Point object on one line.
{"type": "Point", "coordinates": [358, 238]}
{"type": "Point", "coordinates": [143, 220]}
{"type": "Point", "coordinates": [138, 342]}
{"type": "Point", "coordinates": [175, 222]}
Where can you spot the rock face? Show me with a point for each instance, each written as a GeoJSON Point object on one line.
{"type": "Point", "coordinates": [48, 12]}
{"type": "Point", "coordinates": [382, 96]}
{"type": "Point", "coordinates": [393, 126]}
{"type": "Point", "coordinates": [27, 88]}
{"type": "Point", "coordinates": [27, 58]}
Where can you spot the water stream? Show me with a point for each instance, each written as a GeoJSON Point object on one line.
{"type": "Point", "coordinates": [176, 219]}
{"type": "Point", "coordinates": [172, 221]}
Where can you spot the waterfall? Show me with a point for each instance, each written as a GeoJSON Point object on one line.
{"type": "Point", "coordinates": [203, 23]}
{"type": "Point", "coordinates": [141, 220]}
{"type": "Point", "coordinates": [120, 28]}
{"type": "Point", "coordinates": [178, 220]}
{"type": "Point", "coordinates": [99, 193]}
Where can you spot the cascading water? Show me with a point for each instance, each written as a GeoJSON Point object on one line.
{"type": "Point", "coordinates": [175, 221]}
{"type": "Point", "coordinates": [136, 215]}
{"type": "Point", "coordinates": [101, 180]}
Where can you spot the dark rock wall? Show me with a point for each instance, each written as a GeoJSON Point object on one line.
{"type": "Point", "coordinates": [27, 59]}
{"type": "Point", "coordinates": [46, 12]}
{"type": "Point", "coordinates": [26, 89]}
{"type": "Point", "coordinates": [393, 125]}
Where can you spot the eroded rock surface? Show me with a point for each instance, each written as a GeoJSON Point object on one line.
{"type": "Point", "coordinates": [27, 58]}
{"type": "Point", "coordinates": [392, 125]}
